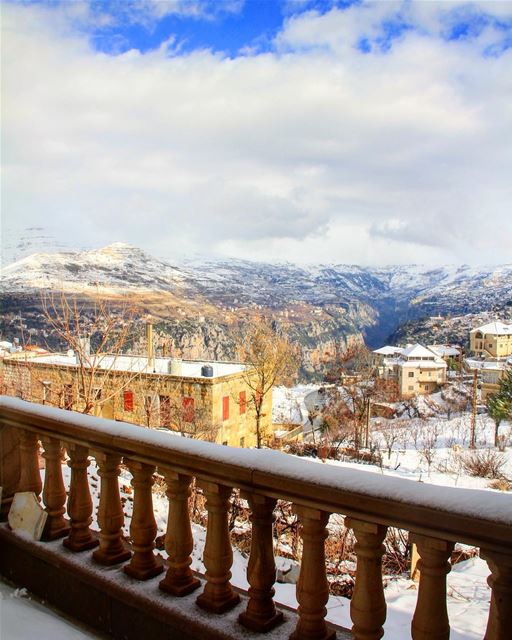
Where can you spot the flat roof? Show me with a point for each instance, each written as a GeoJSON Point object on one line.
{"type": "Point", "coordinates": [139, 364]}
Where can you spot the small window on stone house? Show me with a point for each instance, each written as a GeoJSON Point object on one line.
{"type": "Point", "coordinates": [128, 400]}
{"type": "Point", "coordinates": [242, 402]}
{"type": "Point", "coordinates": [225, 408]}
{"type": "Point", "coordinates": [188, 410]}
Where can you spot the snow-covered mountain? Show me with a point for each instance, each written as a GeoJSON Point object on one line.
{"type": "Point", "coordinates": [346, 298]}
{"type": "Point", "coordinates": [116, 268]}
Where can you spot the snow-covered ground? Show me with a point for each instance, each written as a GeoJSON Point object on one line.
{"type": "Point", "coordinates": [23, 618]}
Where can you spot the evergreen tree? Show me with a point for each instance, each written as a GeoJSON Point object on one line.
{"type": "Point", "coordinates": [499, 405]}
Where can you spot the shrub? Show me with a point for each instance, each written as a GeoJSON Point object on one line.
{"type": "Point", "coordinates": [483, 464]}
{"type": "Point", "coordinates": [500, 485]}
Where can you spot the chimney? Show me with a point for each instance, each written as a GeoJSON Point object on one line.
{"type": "Point", "coordinates": [149, 337]}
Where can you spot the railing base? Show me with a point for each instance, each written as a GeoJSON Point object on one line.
{"type": "Point", "coordinates": [145, 574]}
{"type": "Point", "coordinates": [108, 560]}
{"type": "Point", "coordinates": [81, 546]}
{"type": "Point", "coordinates": [261, 627]}
{"type": "Point", "coordinates": [56, 534]}
{"type": "Point", "coordinates": [109, 601]}
{"type": "Point", "coordinates": [205, 603]}
{"type": "Point", "coordinates": [180, 591]}
{"type": "Point", "coordinates": [330, 634]}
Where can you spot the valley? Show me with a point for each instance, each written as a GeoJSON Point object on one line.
{"type": "Point", "coordinates": [200, 307]}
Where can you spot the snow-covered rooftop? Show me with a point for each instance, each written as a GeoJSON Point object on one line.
{"type": "Point", "coordinates": [139, 364]}
{"type": "Point", "coordinates": [443, 350]}
{"type": "Point", "coordinates": [388, 350]}
{"type": "Point", "coordinates": [417, 352]}
{"type": "Point", "coordinates": [495, 328]}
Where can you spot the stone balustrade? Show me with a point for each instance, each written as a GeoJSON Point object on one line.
{"type": "Point", "coordinates": [370, 503]}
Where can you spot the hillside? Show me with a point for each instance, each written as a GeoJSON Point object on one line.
{"type": "Point", "coordinates": [201, 304]}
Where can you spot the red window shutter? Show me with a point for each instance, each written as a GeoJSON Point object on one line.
{"type": "Point", "coordinates": [188, 409]}
{"type": "Point", "coordinates": [225, 408]}
{"type": "Point", "coordinates": [242, 402]}
{"type": "Point", "coordinates": [128, 400]}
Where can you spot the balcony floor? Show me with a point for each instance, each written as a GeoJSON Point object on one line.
{"type": "Point", "coordinates": [23, 616]}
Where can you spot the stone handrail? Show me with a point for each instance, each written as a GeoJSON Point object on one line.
{"type": "Point", "coordinates": [436, 518]}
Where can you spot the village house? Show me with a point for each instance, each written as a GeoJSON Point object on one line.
{"type": "Point", "coordinates": [491, 346]}
{"type": "Point", "coordinates": [492, 340]}
{"type": "Point", "coordinates": [416, 369]}
{"type": "Point", "coordinates": [200, 399]}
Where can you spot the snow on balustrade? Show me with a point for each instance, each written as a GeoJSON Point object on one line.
{"type": "Point", "coordinates": [484, 505]}
{"type": "Point", "coordinates": [437, 519]}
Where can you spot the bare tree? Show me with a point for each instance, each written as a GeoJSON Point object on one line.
{"type": "Point", "coordinates": [272, 359]}
{"type": "Point", "coordinates": [97, 333]}
{"type": "Point", "coordinates": [352, 372]}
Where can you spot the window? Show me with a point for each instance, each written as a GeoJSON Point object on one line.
{"type": "Point", "coordinates": [429, 374]}
{"type": "Point", "coordinates": [165, 411]}
{"type": "Point", "coordinates": [411, 388]}
{"type": "Point", "coordinates": [47, 389]}
{"type": "Point", "coordinates": [68, 397]}
{"type": "Point", "coordinates": [242, 442]}
{"type": "Point", "coordinates": [411, 374]}
{"type": "Point", "coordinates": [242, 401]}
{"type": "Point", "coordinates": [225, 408]}
{"type": "Point", "coordinates": [188, 410]}
{"type": "Point", "coordinates": [128, 401]}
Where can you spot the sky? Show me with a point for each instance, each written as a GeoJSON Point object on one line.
{"type": "Point", "coordinates": [303, 130]}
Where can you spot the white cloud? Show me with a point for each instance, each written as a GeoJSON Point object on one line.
{"type": "Point", "coordinates": [314, 152]}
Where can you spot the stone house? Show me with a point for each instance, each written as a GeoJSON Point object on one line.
{"type": "Point", "coordinates": [492, 340]}
{"type": "Point", "coordinates": [416, 369]}
{"type": "Point", "coordinates": [200, 399]}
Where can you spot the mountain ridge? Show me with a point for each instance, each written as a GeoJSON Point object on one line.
{"type": "Point", "coordinates": [317, 305]}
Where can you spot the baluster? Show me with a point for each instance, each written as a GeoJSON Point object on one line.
{"type": "Point", "coordinates": [179, 580]}
{"type": "Point", "coordinates": [30, 478]}
{"type": "Point", "coordinates": [54, 491]}
{"type": "Point", "coordinates": [261, 614]}
{"type": "Point", "coordinates": [312, 588]}
{"type": "Point", "coordinates": [500, 581]}
{"type": "Point", "coordinates": [218, 595]}
{"type": "Point", "coordinates": [430, 621]}
{"type": "Point", "coordinates": [110, 512]}
{"type": "Point", "coordinates": [9, 467]}
{"type": "Point", "coordinates": [144, 564]}
{"type": "Point", "coordinates": [79, 502]}
{"type": "Point", "coordinates": [368, 606]}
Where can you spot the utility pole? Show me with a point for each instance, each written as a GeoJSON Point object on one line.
{"type": "Point", "coordinates": [367, 426]}
{"type": "Point", "coordinates": [472, 442]}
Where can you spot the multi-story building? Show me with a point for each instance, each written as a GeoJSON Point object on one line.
{"type": "Point", "coordinates": [416, 369]}
{"type": "Point", "coordinates": [207, 400]}
{"type": "Point", "coordinates": [492, 344]}
{"type": "Point", "coordinates": [492, 340]}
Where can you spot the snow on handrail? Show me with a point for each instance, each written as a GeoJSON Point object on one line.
{"type": "Point", "coordinates": [283, 475]}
